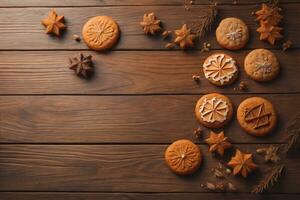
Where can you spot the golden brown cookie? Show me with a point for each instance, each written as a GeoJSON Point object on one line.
{"type": "Point", "coordinates": [183, 157]}
{"type": "Point", "coordinates": [100, 33]}
{"type": "Point", "coordinates": [257, 116]}
{"type": "Point", "coordinates": [232, 33]}
{"type": "Point", "coordinates": [214, 110]}
{"type": "Point", "coordinates": [261, 65]}
{"type": "Point", "coordinates": [220, 69]}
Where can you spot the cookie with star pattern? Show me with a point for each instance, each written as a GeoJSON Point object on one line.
{"type": "Point", "coordinates": [183, 157]}
{"type": "Point", "coordinates": [232, 33]}
{"type": "Point", "coordinates": [100, 33]}
{"type": "Point", "coordinates": [257, 116]}
{"type": "Point", "coordinates": [214, 110]}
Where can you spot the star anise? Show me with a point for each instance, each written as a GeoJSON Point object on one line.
{"type": "Point", "coordinates": [82, 65]}
{"type": "Point", "coordinates": [150, 24]}
{"type": "Point", "coordinates": [269, 14]}
{"type": "Point", "coordinates": [269, 32]}
{"type": "Point", "coordinates": [270, 154]}
{"type": "Point", "coordinates": [242, 163]}
{"type": "Point", "coordinates": [184, 37]}
{"type": "Point", "coordinates": [54, 23]}
{"type": "Point", "coordinates": [218, 143]}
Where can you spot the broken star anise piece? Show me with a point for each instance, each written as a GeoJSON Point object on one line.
{"type": "Point", "coordinates": [54, 23]}
{"type": "Point", "coordinates": [242, 163]}
{"type": "Point", "coordinates": [269, 32]}
{"type": "Point", "coordinates": [270, 154]}
{"type": "Point", "coordinates": [150, 24]}
{"type": "Point", "coordinates": [184, 37]}
{"type": "Point", "coordinates": [218, 143]}
{"type": "Point", "coordinates": [82, 65]}
{"type": "Point", "coordinates": [269, 14]}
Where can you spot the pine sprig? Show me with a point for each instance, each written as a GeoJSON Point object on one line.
{"type": "Point", "coordinates": [208, 21]}
{"type": "Point", "coordinates": [204, 23]}
{"type": "Point", "coordinates": [293, 132]}
{"type": "Point", "coordinates": [270, 180]}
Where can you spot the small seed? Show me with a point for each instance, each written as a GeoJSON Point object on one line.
{"type": "Point", "coordinates": [231, 187]}
{"type": "Point", "coordinates": [210, 186]}
{"type": "Point", "coordinates": [76, 38]}
{"type": "Point", "coordinates": [170, 46]}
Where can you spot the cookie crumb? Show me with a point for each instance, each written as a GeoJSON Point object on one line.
{"type": "Point", "coordinates": [76, 38]}
{"type": "Point", "coordinates": [196, 78]}
{"type": "Point", "coordinates": [198, 133]}
{"type": "Point", "coordinates": [206, 47]}
{"type": "Point", "coordinates": [286, 45]}
{"type": "Point", "coordinates": [242, 86]}
{"type": "Point", "coordinates": [166, 34]}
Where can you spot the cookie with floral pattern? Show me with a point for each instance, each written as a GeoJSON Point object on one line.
{"type": "Point", "coordinates": [214, 110]}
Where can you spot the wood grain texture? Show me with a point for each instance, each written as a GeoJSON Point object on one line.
{"type": "Point", "coordinates": [131, 72]}
{"type": "Point", "coordinates": [10, 3]}
{"type": "Point", "coordinates": [120, 119]}
{"type": "Point", "coordinates": [21, 28]}
{"type": "Point", "coordinates": [139, 196]}
{"type": "Point", "coordinates": [117, 168]}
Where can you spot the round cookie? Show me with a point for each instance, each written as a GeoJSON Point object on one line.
{"type": "Point", "coordinates": [232, 33]}
{"type": "Point", "coordinates": [100, 33]}
{"type": "Point", "coordinates": [220, 69]}
{"type": "Point", "coordinates": [261, 65]}
{"type": "Point", "coordinates": [257, 116]}
{"type": "Point", "coordinates": [214, 110]}
{"type": "Point", "coordinates": [183, 157]}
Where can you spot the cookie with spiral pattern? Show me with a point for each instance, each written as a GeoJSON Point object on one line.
{"type": "Point", "coordinates": [100, 33]}
{"type": "Point", "coordinates": [183, 157]}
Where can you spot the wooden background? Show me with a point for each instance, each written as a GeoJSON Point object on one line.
{"type": "Point", "coordinates": [65, 138]}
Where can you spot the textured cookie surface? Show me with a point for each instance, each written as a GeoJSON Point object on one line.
{"type": "Point", "coordinates": [257, 116]}
{"type": "Point", "coordinates": [232, 33]}
{"type": "Point", "coordinates": [220, 69]}
{"type": "Point", "coordinates": [100, 33]}
{"type": "Point", "coordinates": [261, 65]}
{"type": "Point", "coordinates": [183, 157]}
{"type": "Point", "coordinates": [214, 110]}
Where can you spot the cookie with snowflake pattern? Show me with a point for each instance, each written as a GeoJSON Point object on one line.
{"type": "Point", "coordinates": [232, 33]}
{"type": "Point", "coordinates": [100, 33]}
{"type": "Point", "coordinates": [220, 69]}
{"type": "Point", "coordinates": [261, 65]}
{"type": "Point", "coordinates": [214, 110]}
{"type": "Point", "coordinates": [183, 157]}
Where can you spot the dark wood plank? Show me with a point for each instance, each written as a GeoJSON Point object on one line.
{"type": "Point", "coordinates": [130, 72]}
{"type": "Point", "coordinates": [21, 28]}
{"type": "Point", "coordinates": [119, 119]}
{"type": "Point", "coordinates": [138, 196]}
{"type": "Point", "coordinates": [116, 168]}
{"type": "Point", "coordinates": [9, 3]}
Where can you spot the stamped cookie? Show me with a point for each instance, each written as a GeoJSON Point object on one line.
{"type": "Point", "coordinates": [261, 65]}
{"type": "Point", "coordinates": [214, 110]}
{"type": "Point", "coordinates": [183, 157]}
{"type": "Point", "coordinates": [257, 116]}
{"type": "Point", "coordinates": [100, 33]}
{"type": "Point", "coordinates": [220, 69]}
{"type": "Point", "coordinates": [232, 33]}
